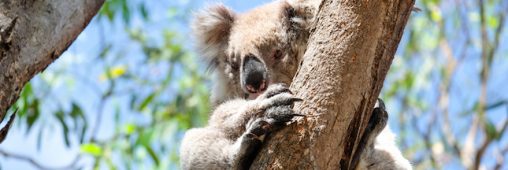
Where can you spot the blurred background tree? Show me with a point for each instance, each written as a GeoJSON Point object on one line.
{"type": "Point", "coordinates": [124, 93]}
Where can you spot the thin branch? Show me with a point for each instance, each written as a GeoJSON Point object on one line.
{"type": "Point", "coordinates": [38, 165]}
{"type": "Point", "coordinates": [500, 158]}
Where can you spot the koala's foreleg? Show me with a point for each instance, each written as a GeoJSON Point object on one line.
{"type": "Point", "coordinates": [276, 104]}
{"type": "Point", "coordinates": [248, 145]}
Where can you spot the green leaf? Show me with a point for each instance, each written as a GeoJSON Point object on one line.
{"type": "Point", "coordinates": [435, 15]}
{"type": "Point", "coordinates": [146, 101]}
{"type": "Point", "coordinates": [91, 148]}
{"type": "Point", "coordinates": [126, 14]}
{"type": "Point", "coordinates": [145, 137]}
{"type": "Point", "coordinates": [153, 155]}
{"type": "Point", "coordinates": [33, 114]}
{"type": "Point", "coordinates": [60, 117]}
{"type": "Point", "coordinates": [114, 72]}
{"type": "Point", "coordinates": [490, 130]}
{"type": "Point", "coordinates": [492, 21]}
{"type": "Point", "coordinates": [144, 12]}
{"type": "Point", "coordinates": [129, 128]}
{"type": "Point", "coordinates": [105, 51]}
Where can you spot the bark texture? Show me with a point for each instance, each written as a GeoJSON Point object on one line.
{"type": "Point", "coordinates": [33, 33]}
{"type": "Point", "coordinates": [350, 50]}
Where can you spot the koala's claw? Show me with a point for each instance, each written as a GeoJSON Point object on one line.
{"type": "Point", "coordinates": [282, 99]}
{"type": "Point", "coordinates": [380, 104]}
{"type": "Point", "coordinates": [258, 128]}
{"type": "Point", "coordinates": [281, 114]}
{"type": "Point", "coordinates": [275, 89]}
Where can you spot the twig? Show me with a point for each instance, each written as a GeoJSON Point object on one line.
{"type": "Point", "coordinates": [38, 165]}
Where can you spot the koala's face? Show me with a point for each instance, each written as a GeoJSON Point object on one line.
{"type": "Point", "coordinates": [252, 50]}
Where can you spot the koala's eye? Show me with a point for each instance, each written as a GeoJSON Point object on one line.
{"type": "Point", "coordinates": [277, 55]}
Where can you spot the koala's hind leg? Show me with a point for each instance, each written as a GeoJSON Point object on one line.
{"type": "Point", "coordinates": [377, 123]}
{"type": "Point", "coordinates": [380, 151]}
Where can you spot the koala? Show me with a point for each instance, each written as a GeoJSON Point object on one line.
{"type": "Point", "coordinates": [251, 55]}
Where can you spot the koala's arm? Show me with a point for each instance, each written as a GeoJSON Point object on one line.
{"type": "Point", "coordinates": [204, 148]}
{"type": "Point", "coordinates": [236, 131]}
{"type": "Point", "coordinates": [380, 150]}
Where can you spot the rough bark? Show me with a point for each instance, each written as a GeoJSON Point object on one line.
{"type": "Point", "coordinates": [350, 50]}
{"type": "Point", "coordinates": [33, 33]}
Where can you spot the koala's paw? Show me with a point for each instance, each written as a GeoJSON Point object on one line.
{"type": "Point", "coordinates": [379, 117]}
{"type": "Point", "coordinates": [278, 116]}
{"type": "Point", "coordinates": [277, 103]}
{"type": "Point", "coordinates": [258, 128]}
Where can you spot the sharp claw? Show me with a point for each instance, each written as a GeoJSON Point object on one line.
{"type": "Point", "coordinates": [380, 104]}
{"type": "Point", "coordinates": [293, 100]}
{"type": "Point", "coordinates": [271, 94]}
{"type": "Point", "coordinates": [296, 99]}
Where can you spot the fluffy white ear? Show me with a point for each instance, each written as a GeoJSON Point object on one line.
{"type": "Point", "coordinates": [302, 12]}
{"type": "Point", "coordinates": [212, 27]}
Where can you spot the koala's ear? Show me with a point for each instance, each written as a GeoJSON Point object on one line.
{"type": "Point", "coordinates": [300, 13]}
{"type": "Point", "coordinates": [211, 28]}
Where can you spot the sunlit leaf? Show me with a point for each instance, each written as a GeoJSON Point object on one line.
{"type": "Point", "coordinates": [114, 72]}
{"type": "Point", "coordinates": [492, 21]}
{"type": "Point", "coordinates": [435, 15]}
{"type": "Point", "coordinates": [91, 148]}
{"type": "Point", "coordinates": [129, 128]}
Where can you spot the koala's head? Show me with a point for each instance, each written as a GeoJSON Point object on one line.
{"type": "Point", "coordinates": [249, 51]}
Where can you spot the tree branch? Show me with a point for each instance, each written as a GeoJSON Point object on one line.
{"type": "Point", "coordinates": [72, 164]}
{"type": "Point", "coordinates": [350, 50]}
{"type": "Point", "coordinates": [34, 34]}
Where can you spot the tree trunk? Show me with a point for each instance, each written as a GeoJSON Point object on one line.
{"type": "Point", "coordinates": [33, 33]}
{"type": "Point", "coordinates": [351, 47]}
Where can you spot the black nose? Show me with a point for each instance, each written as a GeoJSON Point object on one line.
{"type": "Point", "coordinates": [253, 74]}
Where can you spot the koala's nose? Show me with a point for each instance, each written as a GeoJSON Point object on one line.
{"type": "Point", "coordinates": [254, 74]}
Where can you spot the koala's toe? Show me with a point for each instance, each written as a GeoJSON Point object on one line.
{"type": "Point", "coordinates": [259, 127]}
{"type": "Point", "coordinates": [275, 89]}
{"type": "Point", "coordinates": [280, 114]}
{"type": "Point", "coordinates": [281, 100]}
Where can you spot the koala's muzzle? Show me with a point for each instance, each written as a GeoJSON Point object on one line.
{"type": "Point", "coordinates": [254, 74]}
